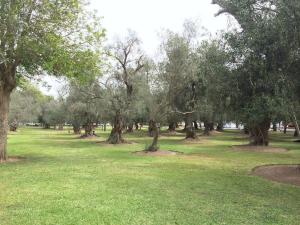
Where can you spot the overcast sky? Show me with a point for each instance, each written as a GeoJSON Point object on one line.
{"type": "Point", "coordinates": [149, 17]}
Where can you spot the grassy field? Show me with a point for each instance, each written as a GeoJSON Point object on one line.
{"type": "Point", "coordinates": [63, 180]}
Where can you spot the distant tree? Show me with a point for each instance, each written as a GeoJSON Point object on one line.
{"type": "Point", "coordinates": [24, 107]}
{"type": "Point", "coordinates": [82, 108]}
{"type": "Point", "coordinates": [178, 73]}
{"type": "Point", "coordinates": [214, 84]}
{"type": "Point", "coordinates": [128, 62]}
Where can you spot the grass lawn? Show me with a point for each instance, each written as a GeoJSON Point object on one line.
{"type": "Point", "coordinates": [64, 180]}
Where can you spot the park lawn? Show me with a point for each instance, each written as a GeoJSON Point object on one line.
{"type": "Point", "coordinates": [64, 180]}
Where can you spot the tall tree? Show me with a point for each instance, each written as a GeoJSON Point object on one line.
{"type": "Point", "coordinates": [128, 62]}
{"type": "Point", "coordinates": [54, 37]}
{"type": "Point", "coordinates": [262, 59]}
{"type": "Point", "coordinates": [178, 72]}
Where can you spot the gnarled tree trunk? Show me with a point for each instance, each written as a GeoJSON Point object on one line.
{"type": "Point", "coordinates": [4, 108]}
{"type": "Point", "coordinates": [130, 127]}
{"type": "Point", "coordinates": [88, 129]}
{"type": "Point", "coordinates": [260, 134]}
{"type": "Point", "coordinates": [136, 124]}
{"type": "Point", "coordinates": [207, 128]}
{"type": "Point", "coordinates": [190, 131]}
{"type": "Point", "coordinates": [196, 125]}
{"type": "Point", "coordinates": [153, 128]}
{"type": "Point", "coordinates": [13, 126]}
{"type": "Point", "coordinates": [76, 129]}
{"type": "Point", "coordinates": [116, 133]}
{"type": "Point", "coordinates": [172, 127]}
{"type": "Point", "coordinates": [220, 126]}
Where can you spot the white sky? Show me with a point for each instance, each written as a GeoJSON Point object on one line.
{"type": "Point", "coordinates": [148, 18]}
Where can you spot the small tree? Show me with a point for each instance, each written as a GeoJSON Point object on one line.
{"type": "Point", "coordinates": [24, 107]}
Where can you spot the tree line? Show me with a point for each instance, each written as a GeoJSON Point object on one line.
{"type": "Point", "coordinates": [249, 75]}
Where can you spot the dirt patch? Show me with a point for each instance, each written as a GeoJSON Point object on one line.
{"type": "Point", "coordinates": [158, 153]}
{"type": "Point", "coordinates": [12, 160]}
{"type": "Point", "coordinates": [123, 143]}
{"type": "Point", "coordinates": [287, 174]}
{"type": "Point", "coordinates": [88, 136]}
{"type": "Point", "coordinates": [251, 148]}
{"type": "Point", "coordinates": [171, 133]}
{"type": "Point", "coordinates": [211, 133]}
{"type": "Point", "coordinates": [192, 141]}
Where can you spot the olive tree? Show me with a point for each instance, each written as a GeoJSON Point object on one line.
{"type": "Point", "coordinates": [264, 53]}
{"type": "Point", "coordinates": [25, 105]}
{"type": "Point", "coordinates": [178, 73]}
{"type": "Point", "coordinates": [127, 61]}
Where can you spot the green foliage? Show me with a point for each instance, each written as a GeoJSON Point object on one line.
{"type": "Point", "coordinates": [263, 56]}
{"type": "Point", "coordinates": [60, 38]}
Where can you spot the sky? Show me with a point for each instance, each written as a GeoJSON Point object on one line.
{"type": "Point", "coordinates": [148, 18]}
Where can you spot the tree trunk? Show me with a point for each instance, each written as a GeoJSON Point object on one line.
{"type": "Point", "coordinates": [190, 131]}
{"type": "Point", "coordinates": [297, 130]}
{"type": "Point", "coordinates": [136, 124]}
{"type": "Point", "coordinates": [246, 129]}
{"type": "Point", "coordinates": [76, 129]}
{"type": "Point", "coordinates": [260, 134]}
{"type": "Point", "coordinates": [185, 125]}
{"type": "Point", "coordinates": [4, 108]}
{"type": "Point", "coordinates": [60, 127]}
{"type": "Point", "coordinates": [130, 128]}
{"type": "Point", "coordinates": [274, 127]}
{"type": "Point", "coordinates": [172, 127]}
{"type": "Point", "coordinates": [13, 126]}
{"type": "Point", "coordinates": [206, 128]}
{"type": "Point", "coordinates": [296, 133]}
{"type": "Point", "coordinates": [284, 127]}
{"type": "Point", "coordinates": [220, 126]}
{"type": "Point", "coordinates": [150, 130]}
{"type": "Point", "coordinates": [155, 131]}
{"type": "Point", "coordinates": [196, 125]}
{"type": "Point", "coordinates": [116, 133]}
{"type": "Point", "coordinates": [88, 129]}
{"type": "Point", "coordinates": [211, 126]}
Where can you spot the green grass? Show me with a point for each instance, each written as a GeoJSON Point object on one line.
{"type": "Point", "coordinates": [64, 180]}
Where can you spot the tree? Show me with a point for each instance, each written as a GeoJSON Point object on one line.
{"type": "Point", "coordinates": [25, 106]}
{"type": "Point", "coordinates": [178, 72]}
{"type": "Point", "coordinates": [262, 60]}
{"type": "Point", "coordinates": [54, 37]}
{"type": "Point", "coordinates": [214, 84]}
{"type": "Point", "coordinates": [128, 62]}
{"type": "Point", "coordinates": [82, 106]}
